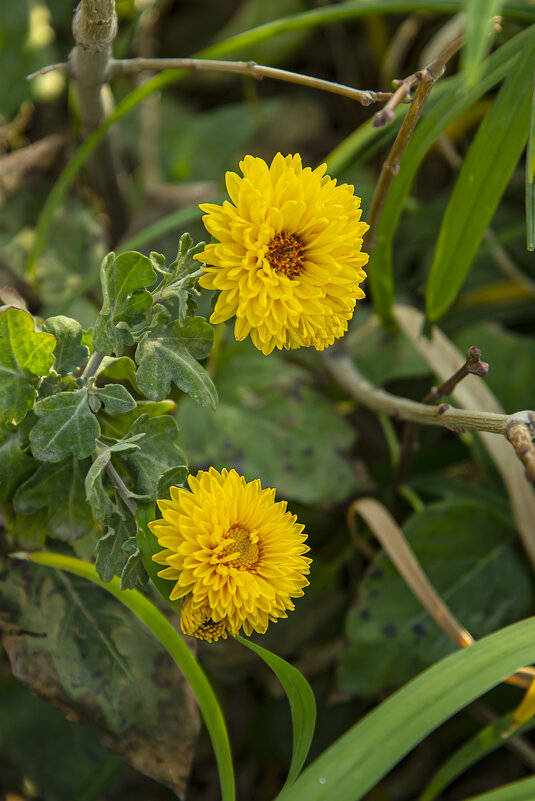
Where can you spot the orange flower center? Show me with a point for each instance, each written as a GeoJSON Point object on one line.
{"type": "Point", "coordinates": [243, 550]}
{"type": "Point", "coordinates": [285, 254]}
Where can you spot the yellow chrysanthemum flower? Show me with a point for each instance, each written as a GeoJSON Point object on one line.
{"type": "Point", "coordinates": [236, 556]}
{"type": "Point", "coordinates": [288, 260]}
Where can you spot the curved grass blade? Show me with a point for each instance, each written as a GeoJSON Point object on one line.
{"type": "Point", "coordinates": [175, 645]}
{"type": "Point", "coordinates": [530, 179]}
{"type": "Point", "coordinates": [523, 790]}
{"type": "Point", "coordinates": [302, 705]}
{"type": "Point", "coordinates": [483, 178]}
{"type": "Point", "coordinates": [310, 19]}
{"type": "Point", "coordinates": [454, 103]}
{"type": "Point", "coordinates": [483, 743]}
{"type": "Point", "coordinates": [363, 755]}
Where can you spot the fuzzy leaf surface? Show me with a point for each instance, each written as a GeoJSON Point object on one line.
{"type": "Point", "coordinates": [157, 453]}
{"type": "Point", "coordinates": [164, 359]}
{"type": "Point", "coordinates": [66, 425]}
{"type": "Point", "coordinates": [60, 489]}
{"type": "Point", "coordinates": [69, 352]}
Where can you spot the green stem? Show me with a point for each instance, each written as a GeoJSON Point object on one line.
{"type": "Point", "coordinates": [177, 648]}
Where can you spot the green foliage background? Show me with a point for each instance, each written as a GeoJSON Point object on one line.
{"type": "Point", "coordinates": [169, 396]}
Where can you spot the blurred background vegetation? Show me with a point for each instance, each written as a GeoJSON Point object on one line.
{"type": "Point", "coordinates": [358, 633]}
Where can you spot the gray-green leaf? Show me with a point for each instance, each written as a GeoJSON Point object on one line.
{"type": "Point", "coordinates": [162, 359]}
{"type": "Point", "coordinates": [66, 425]}
{"type": "Point", "coordinates": [69, 352]}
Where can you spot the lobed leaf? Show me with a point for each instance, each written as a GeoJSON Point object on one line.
{"type": "Point", "coordinates": [66, 425]}
{"type": "Point", "coordinates": [116, 399]}
{"type": "Point", "coordinates": [163, 359]}
{"type": "Point", "coordinates": [126, 300]}
{"type": "Point", "coordinates": [157, 452]}
{"type": "Point", "coordinates": [24, 353]}
{"type": "Point", "coordinates": [69, 352]}
{"type": "Point", "coordinates": [60, 489]}
{"type": "Point", "coordinates": [110, 560]}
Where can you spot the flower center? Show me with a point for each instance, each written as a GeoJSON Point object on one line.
{"type": "Point", "coordinates": [285, 254]}
{"type": "Point", "coordinates": [243, 551]}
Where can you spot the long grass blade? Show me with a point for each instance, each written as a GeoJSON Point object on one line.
{"type": "Point", "coordinates": [530, 179]}
{"type": "Point", "coordinates": [363, 755]}
{"type": "Point", "coordinates": [302, 705]}
{"type": "Point", "coordinates": [483, 743]}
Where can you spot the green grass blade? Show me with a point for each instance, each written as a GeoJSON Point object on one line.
{"type": "Point", "coordinates": [175, 645]}
{"type": "Point", "coordinates": [483, 178]}
{"type": "Point", "coordinates": [302, 705]}
{"type": "Point", "coordinates": [483, 743]}
{"type": "Point", "coordinates": [311, 19]}
{"type": "Point", "coordinates": [456, 100]}
{"type": "Point", "coordinates": [363, 755]}
{"type": "Point", "coordinates": [530, 179]}
{"type": "Point", "coordinates": [523, 790]}
{"type": "Point", "coordinates": [478, 35]}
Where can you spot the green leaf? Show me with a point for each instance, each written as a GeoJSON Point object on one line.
{"type": "Point", "coordinates": [15, 465]}
{"type": "Point", "coordinates": [485, 742]}
{"type": "Point", "coordinates": [116, 399]}
{"type": "Point", "coordinates": [148, 545]}
{"type": "Point", "coordinates": [157, 453]}
{"type": "Point", "coordinates": [110, 560]}
{"type": "Point", "coordinates": [59, 488]}
{"type": "Point", "coordinates": [94, 489]}
{"type": "Point", "coordinates": [30, 530]}
{"type": "Point", "coordinates": [120, 368]}
{"type": "Point", "coordinates": [177, 648]}
{"type": "Point", "coordinates": [363, 755]}
{"type": "Point", "coordinates": [302, 705]}
{"type": "Point", "coordinates": [272, 424]}
{"type": "Point", "coordinates": [197, 336]}
{"type": "Point", "coordinates": [134, 573]}
{"type": "Point", "coordinates": [66, 425]}
{"type": "Point", "coordinates": [69, 352]}
{"type": "Point", "coordinates": [478, 34]}
{"type": "Point", "coordinates": [174, 477]}
{"type": "Point", "coordinates": [101, 665]}
{"type": "Point", "coordinates": [483, 178]}
{"type": "Point", "coordinates": [162, 359]}
{"type": "Point", "coordinates": [463, 546]}
{"type": "Point", "coordinates": [444, 112]}
{"type": "Point", "coordinates": [126, 300]}
{"type": "Point", "coordinates": [24, 353]}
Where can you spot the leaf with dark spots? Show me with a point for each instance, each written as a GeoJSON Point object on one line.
{"type": "Point", "coordinates": [464, 547]}
{"type": "Point", "coordinates": [271, 423]}
{"type": "Point", "coordinates": [100, 665]}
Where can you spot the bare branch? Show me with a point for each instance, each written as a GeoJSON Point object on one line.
{"type": "Point", "coordinates": [251, 68]}
{"type": "Point", "coordinates": [345, 373]}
